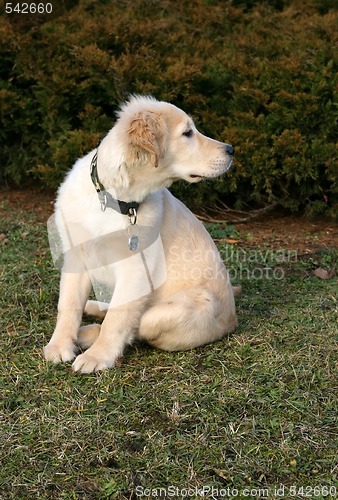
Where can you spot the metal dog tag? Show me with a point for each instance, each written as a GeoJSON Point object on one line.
{"type": "Point", "coordinates": [133, 242]}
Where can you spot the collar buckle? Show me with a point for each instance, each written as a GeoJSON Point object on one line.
{"type": "Point", "coordinates": [132, 214]}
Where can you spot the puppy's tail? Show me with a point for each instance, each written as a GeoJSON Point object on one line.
{"type": "Point", "coordinates": [96, 308]}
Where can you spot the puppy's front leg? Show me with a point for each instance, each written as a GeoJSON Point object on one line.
{"type": "Point", "coordinates": [74, 291]}
{"type": "Point", "coordinates": [132, 294]}
{"type": "Point", "coordinates": [117, 330]}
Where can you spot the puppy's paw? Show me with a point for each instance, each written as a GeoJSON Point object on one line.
{"type": "Point", "coordinates": [96, 308]}
{"type": "Point", "coordinates": [87, 335]}
{"type": "Point", "coordinates": [89, 362]}
{"type": "Point", "coordinates": [57, 352]}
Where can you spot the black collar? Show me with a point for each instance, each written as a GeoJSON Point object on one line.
{"type": "Point", "coordinates": [106, 199]}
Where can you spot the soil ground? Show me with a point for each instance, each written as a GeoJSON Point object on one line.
{"type": "Point", "coordinates": [275, 230]}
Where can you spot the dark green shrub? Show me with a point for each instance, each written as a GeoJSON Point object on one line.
{"type": "Point", "coordinates": [261, 75]}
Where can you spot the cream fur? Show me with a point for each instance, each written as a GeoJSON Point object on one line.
{"type": "Point", "coordinates": [188, 300]}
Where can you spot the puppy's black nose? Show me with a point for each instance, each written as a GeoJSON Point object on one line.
{"type": "Point", "coordinates": [230, 149]}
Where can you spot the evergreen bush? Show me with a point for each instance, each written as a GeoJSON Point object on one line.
{"type": "Point", "coordinates": [261, 75]}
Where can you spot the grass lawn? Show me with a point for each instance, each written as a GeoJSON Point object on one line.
{"type": "Point", "coordinates": [244, 417]}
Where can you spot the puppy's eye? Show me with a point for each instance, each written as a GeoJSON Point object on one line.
{"type": "Point", "coordinates": [188, 133]}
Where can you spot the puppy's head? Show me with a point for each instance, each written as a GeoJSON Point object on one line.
{"type": "Point", "coordinates": [154, 143]}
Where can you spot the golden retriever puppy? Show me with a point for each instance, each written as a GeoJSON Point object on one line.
{"type": "Point", "coordinates": [155, 271]}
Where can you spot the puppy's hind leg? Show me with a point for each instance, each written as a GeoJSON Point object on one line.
{"type": "Point", "coordinates": [188, 319]}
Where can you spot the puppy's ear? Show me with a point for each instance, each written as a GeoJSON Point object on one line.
{"type": "Point", "coordinates": [148, 132]}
